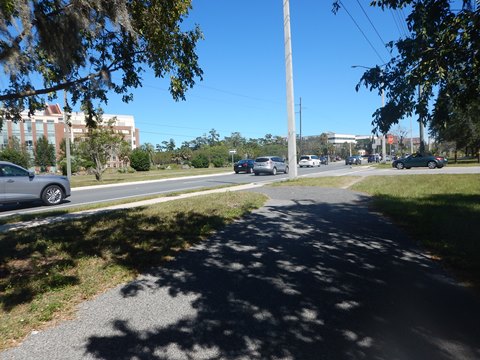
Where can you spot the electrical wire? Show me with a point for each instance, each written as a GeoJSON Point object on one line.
{"type": "Point", "coordinates": [361, 31]}
{"type": "Point", "coordinates": [371, 23]}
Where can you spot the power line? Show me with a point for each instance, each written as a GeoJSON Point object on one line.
{"type": "Point", "coordinates": [359, 29]}
{"type": "Point", "coordinates": [399, 18]}
{"type": "Point", "coordinates": [404, 20]}
{"type": "Point", "coordinates": [396, 22]}
{"type": "Point", "coordinates": [371, 23]}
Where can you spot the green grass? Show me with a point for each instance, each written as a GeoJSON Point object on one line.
{"type": "Point", "coordinates": [114, 177]}
{"type": "Point", "coordinates": [441, 212]}
{"type": "Point", "coordinates": [46, 271]}
{"type": "Point", "coordinates": [43, 215]}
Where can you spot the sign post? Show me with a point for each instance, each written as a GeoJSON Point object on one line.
{"type": "Point", "coordinates": [232, 152]}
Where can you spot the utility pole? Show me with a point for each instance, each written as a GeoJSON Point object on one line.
{"type": "Point", "coordinates": [301, 148]}
{"type": "Point", "coordinates": [420, 123]}
{"type": "Point", "coordinates": [411, 136]}
{"type": "Point", "coordinates": [384, 150]}
{"type": "Point", "coordinates": [292, 139]}
{"type": "Point", "coordinates": [67, 136]}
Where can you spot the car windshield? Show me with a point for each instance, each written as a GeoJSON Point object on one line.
{"type": "Point", "coordinates": [242, 161]}
{"type": "Point", "coordinates": [304, 157]}
{"type": "Point", "coordinates": [263, 159]}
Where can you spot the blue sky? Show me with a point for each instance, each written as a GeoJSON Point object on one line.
{"type": "Point", "coordinates": [242, 57]}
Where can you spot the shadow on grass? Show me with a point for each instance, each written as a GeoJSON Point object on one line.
{"type": "Point", "coordinates": [305, 280]}
{"type": "Point", "coordinates": [445, 224]}
{"type": "Point", "coordinates": [39, 260]}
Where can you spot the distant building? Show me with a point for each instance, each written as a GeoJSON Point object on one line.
{"type": "Point", "coordinates": [335, 138]}
{"type": "Point", "coordinates": [50, 124]}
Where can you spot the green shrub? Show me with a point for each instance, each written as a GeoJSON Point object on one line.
{"type": "Point", "coordinates": [200, 161]}
{"type": "Point", "coordinates": [218, 162]}
{"type": "Point", "coordinates": [140, 160]}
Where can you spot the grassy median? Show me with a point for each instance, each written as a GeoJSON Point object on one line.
{"type": "Point", "coordinates": [439, 211]}
{"type": "Point", "coordinates": [111, 176]}
{"type": "Point", "coordinates": [46, 271]}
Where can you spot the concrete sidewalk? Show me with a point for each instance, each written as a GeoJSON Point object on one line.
{"type": "Point", "coordinates": [311, 275]}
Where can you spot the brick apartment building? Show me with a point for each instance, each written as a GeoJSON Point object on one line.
{"type": "Point", "coordinates": [51, 124]}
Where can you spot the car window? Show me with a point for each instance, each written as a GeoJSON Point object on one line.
{"type": "Point", "coordinates": [315, 157]}
{"type": "Point", "coordinates": [9, 170]}
{"type": "Point", "coordinates": [304, 157]}
{"type": "Point", "coordinates": [263, 159]}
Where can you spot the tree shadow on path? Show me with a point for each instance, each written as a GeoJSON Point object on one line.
{"type": "Point", "coordinates": [305, 277]}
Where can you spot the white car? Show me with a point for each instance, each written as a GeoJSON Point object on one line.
{"type": "Point", "coordinates": [309, 160]}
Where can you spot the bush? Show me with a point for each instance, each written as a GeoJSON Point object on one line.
{"type": "Point", "coordinates": [15, 156]}
{"type": "Point", "coordinates": [200, 161]}
{"type": "Point", "coordinates": [218, 162]}
{"type": "Point", "coordinates": [140, 160]}
{"type": "Point", "coordinates": [126, 170]}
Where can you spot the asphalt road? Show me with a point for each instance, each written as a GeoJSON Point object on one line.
{"type": "Point", "coordinates": [314, 274]}
{"type": "Point", "coordinates": [106, 193]}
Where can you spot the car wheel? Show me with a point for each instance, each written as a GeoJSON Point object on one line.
{"type": "Point", "coordinates": [52, 195]}
{"type": "Point", "coordinates": [432, 165]}
{"type": "Point", "coordinates": [400, 166]}
{"type": "Point", "coordinates": [274, 171]}
{"type": "Point", "coordinates": [236, 172]}
{"type": "Point", "coordinates": [286, 170]}
{"type": "Point", "coordinates": [256, 174]}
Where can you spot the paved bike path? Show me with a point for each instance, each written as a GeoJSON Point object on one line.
{"type": "Point", "coordinates": [314, 274]}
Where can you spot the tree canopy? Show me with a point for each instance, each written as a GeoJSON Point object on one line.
{"type": "Point", "coordinates": [50, 45]}
{"type": "Point", "coordinates": [441, 54]}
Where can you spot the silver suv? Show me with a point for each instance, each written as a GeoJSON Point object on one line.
{"type": "Point", "coordinates": [20, 185]}
{"type": "Point", "coordinates": [269, 165]}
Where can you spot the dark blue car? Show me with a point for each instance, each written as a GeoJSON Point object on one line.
{"type": "Point", "coordinates": [245, 166]}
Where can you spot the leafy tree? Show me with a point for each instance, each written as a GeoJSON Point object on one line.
{"type": "Point", "coordinates": [77, 45]}
{"type": "Point", "coordinates": [140, 160]}
{"type": "Point", "coordinates": [97, 147]}
{"type": "Point", "coordinates": [440, 52]}
{"type": "Point", "coordinates": [235, 140]}
{"type": "Point", "coordinates": [124, 152]}
{"type": "Point", "coordinates": [213, 137]}
{"type": "Point", "coordinates": [150, 150]}
{"type": "Point", "coordinates": [458, 124]}
{"type": "Point", "coordinates": [15, 153]}
{"type": "Point", "coordinates": [44, 153]}
{"type": "Point", "coordinates": [168, 145]}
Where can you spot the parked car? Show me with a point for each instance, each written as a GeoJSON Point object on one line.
{"type": "Point", "coordinates": [309, 160]}
{"type": "Point", "coordinates": [244, 166]}
{"type": "Point", "coordinates": [269, 165]}
{"type": "Point", "coordinates": [353, 160]}
{"type": "Point", "coordinates": [324, 160]}
{"type": "Point", "coordinates": [420, 160]}
{"type": "Point", "coordinates": [20, 185]}
{"type": "Point", "coordinates": [373, 158]}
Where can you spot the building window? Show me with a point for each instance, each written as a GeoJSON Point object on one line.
{"type": "Point", "coordinates": [39, 129]}
{"type": "Point", "coordinates": [51, 132]}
